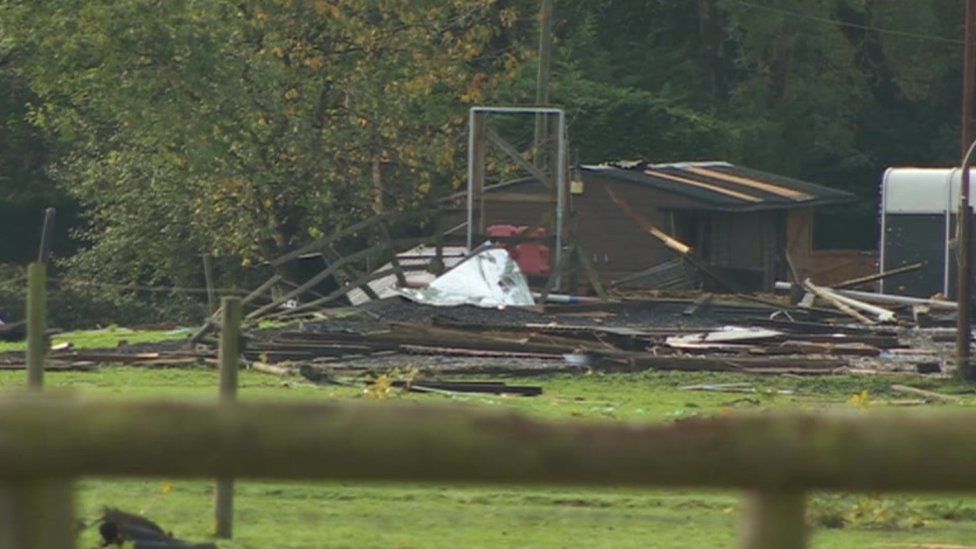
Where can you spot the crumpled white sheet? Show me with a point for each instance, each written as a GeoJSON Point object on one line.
{"type": "Point", "coordinates": [488, 279]}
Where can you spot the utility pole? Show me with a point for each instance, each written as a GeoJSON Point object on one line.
{"type": "Point", "coordinates": [964, 218]}
{"type": "Point", "coordinates": [542, 83]}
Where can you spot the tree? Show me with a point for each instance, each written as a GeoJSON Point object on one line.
{"type": "Point", "coordinates": [242, 129]}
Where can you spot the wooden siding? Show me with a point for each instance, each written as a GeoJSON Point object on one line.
{"type": "Point", "coordinates": [751, 243]}
{"type": "Point", "coordinates": [799, 239]}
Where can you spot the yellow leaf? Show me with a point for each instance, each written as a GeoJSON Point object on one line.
{"type": "Point", "coordinates": [861, 400]}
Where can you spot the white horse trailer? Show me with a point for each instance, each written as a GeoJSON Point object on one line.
{"type": "Point", "coordinates": [918, 223]}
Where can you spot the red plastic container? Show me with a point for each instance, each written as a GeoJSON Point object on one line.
{"type": "Point", "coordinates": [532, 257]}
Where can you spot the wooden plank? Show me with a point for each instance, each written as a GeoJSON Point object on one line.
{"type": "Point", "coordinates": [36, 324]}
{"type": "Point", "coordinates": [672, 243]}
{"type": "Point", "coordinates": [703, 185]}
{"type": "Point", "coordinates": [333, 267]}
{"type": "Point", "coordinates": [211, 322]}
{"type": "Point", "coordinates": [637, 362]}
{"type": "Point", "coordinates": [397, 268]}
{"type": "Point", "coordinates": [929, 395]}
{"type": "Point", "coordinates": [316, 245]}
{"type": "Point", "coordinates": [752, 183]}
{"type": "Point", "coordinates": [697, 304]}
{"type": "Point", "coordinates": [819, 292]}
{"type": "Point", "coordinates": [53, 367]}
{"type": "Point", "coordinates": [334, 295]}
{"type": "Point", "coordinates": [348, 271]}
{"type": "Point", "coordinates": [878, 276]}
{"type": "Point", "coordinates": [590, 272]}
{"type": "Point", "coordinates": [675, 245]}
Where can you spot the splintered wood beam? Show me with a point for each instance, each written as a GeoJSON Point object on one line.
{"type": "Point", "coordinates": [332, 268]}
{"type": "Point", "coordinates": [829, 297]}
{"type": "Point", "coordinates": [336, 294]}
{"type": "Point", "coordinates": [670, 242]}
{"type": "Point", "coordinates": [878, 276]}
{"type": "Point", "coordinates": [665, 238]}
{"type": "Point", "coordinates": [319, 244]}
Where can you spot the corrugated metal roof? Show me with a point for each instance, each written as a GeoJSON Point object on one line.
{"type": "Point", "coordinates": [724, 186]}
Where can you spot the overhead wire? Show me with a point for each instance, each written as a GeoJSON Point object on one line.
{"type": "Point", "coordinates": [146, 288]}
{"type": "Point", "coordinates": [848, 24]}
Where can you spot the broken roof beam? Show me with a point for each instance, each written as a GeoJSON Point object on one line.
{"type": "Point", "coordinates": [310, 283]}
{"type": "Point", "coordinates": [886, 298]}
{"type": "Point", "coordinates": [878, 276]}
{"type": "Point", "coordinates": [882, 314]}
{"type": "Point", "coordinates": [832, 299]}
{"type": "Point", "coordinates": [670, 242]}
{"type": "Point", "coordinates": [321, 243]}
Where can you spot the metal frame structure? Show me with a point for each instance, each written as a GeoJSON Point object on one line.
{"type": "Point", "coordinates": [477, 117]}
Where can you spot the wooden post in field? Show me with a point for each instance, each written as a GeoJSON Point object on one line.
{"type": "Point", "coordinates": [208, 275]}
{"type": "Point", "coordinates": [38, 514]}
{"type": "Point", "coordinates": [774, 519]}
{"type": "Point", "coordinates": [36, 324]}
{"type": "Point", "coordinates": [230, 342]}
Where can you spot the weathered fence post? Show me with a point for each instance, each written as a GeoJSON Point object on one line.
{"type": "Point", "coordinates": [38, 514]}
{"type": "Point", "coordinates": [208, 275]}
{"type": "Point", "coordinates": [774, 519]}
{"type": "Point", "coordinates": [36, 324]}
{"type": "Point", "coordinates": [230, 342]}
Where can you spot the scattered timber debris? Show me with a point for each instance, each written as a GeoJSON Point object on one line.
{"type": "Point", "coordinates": [706, 332]}
{"type": "Point", "coordinates": [119, 527]}
{"type": "Point", "coordinates": [733, 388]}
{"type": "Point", "coordinates": [483, 387]}
{"type": "Point", "coordinates": [930, 396]}
{"type": "Point", "coordinates": [823, 329]}
{"type": "Point", "coordinates": [14, 331]}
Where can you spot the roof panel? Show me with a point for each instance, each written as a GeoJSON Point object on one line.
{"type": "Point", "coordinates": [720, 185]}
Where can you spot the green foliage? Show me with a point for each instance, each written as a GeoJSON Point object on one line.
{"type": "Point", "coordinates": [875, 511]}
{"type": "Point", "coordinates": [832, 92]}
{"type": "Point", "coordinates": [236, 129]}
{"type": "Point", "coordinates": [240, 129]}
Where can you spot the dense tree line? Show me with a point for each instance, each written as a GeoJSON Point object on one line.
{"type": "Point", "coordinates": [182, 127]}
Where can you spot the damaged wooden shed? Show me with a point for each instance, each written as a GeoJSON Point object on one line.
{"type": "Point", "coordinates": [742, 222]}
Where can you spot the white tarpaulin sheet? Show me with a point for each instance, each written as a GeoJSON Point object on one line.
{"type": "Point", "coordinates": [490, 279]}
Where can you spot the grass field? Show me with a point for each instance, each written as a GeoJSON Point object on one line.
{"type": "Point", "coordinates": [362, 515]}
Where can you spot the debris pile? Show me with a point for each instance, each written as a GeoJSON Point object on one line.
{"type": "Point", "coordinates": [706, 333]}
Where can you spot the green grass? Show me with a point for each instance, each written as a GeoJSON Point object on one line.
{"type": "Point", "coordinates": [368, 515]}
{"type": "Point", "coordinates": [102, 339]}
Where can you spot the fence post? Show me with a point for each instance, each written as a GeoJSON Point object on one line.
{"type": "Point", "coordinates": [774, 519]}
{"type": "Point", "coordinates": [38, 514]}
{"type": "Point", "coordinates": [230, 342]}
{"type": "Point", "coordinates": [208, 275]}
{"type": "Point", "coordinates": [36, 324]}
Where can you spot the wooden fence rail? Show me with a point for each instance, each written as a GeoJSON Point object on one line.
{"type": "Point", "coordinates": [50, 436]}
{"type": "Point", "coordinates": [776, 458]}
